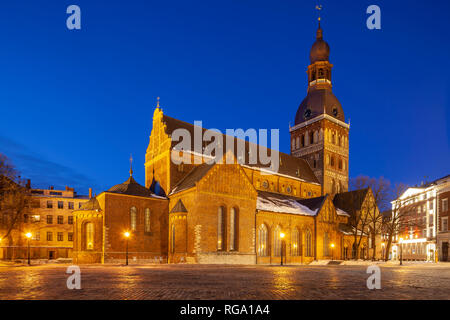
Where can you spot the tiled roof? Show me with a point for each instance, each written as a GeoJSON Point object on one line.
{"type": "Point", "coordinates": [350, 201]}
{"type": "Point", "coordinates": [179, 207]}
{"type": "Point", "coordinates": [132, 188]}
{"type": "Point", "coordinates": [289, 165]}
{"type": "Point", "coordinates": [192, 178]}
{"type": "Point", "coordinates": [92, 204]}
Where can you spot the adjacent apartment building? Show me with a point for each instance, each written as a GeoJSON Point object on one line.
{"type": "Point", "coordinates": [422, 232]}
{"type": "Point", "coordinates": [49, 219]}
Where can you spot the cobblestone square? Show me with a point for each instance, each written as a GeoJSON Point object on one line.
{"type": "Point", "coordinates": [167, 282]}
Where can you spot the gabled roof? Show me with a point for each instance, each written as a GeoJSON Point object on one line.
{"type": "Point", "coordinates": [290, 166]}
{"type": "Point", "coordinates": [274, 202]}
{"type": "Point", "coordinates": [350, 201]}
{"type": "Point", "coordinates": [179, 207]}
{"type": "Point", "coordinates": [132, 188]}
{"type": "Point", "coordinates": [195, 175]}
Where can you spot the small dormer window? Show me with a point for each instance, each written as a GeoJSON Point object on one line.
{"type": "Point", "coordinates": [335, 111]}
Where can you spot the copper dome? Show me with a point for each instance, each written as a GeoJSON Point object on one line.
{"type": "Point", "coordinates": [317, 102]}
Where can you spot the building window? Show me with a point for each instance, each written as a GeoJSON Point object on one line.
{"type": "Point", "coordinates": [49, 204]}
{"type": "Point", "coordinates": [332, 161]}
{"type": "Point", "coordinates": [147, 224]}
{"type": "Point", "coordinates": [70, 219]}
{"type": "Point", "coordinates": [234, 229]}
{"type": "Point", "coordinates": [444, 224]}
{"type": "Point", "coordinates": [221, 227]}
{"type": "Point", "coordinates": [60, 236]}
{"type": "Point", "coordinates": [37, 236]}
{"type": "Point", "coordinates": [297, 142]}
{"type": "Point", "coordinates": [133, 218]}
{"type": "Point", "coordinates": [80, 204]}
{"type": "Point", "coordinates": [311, 137]}
{"type": "Point", "coordinates": [326, 244]}
{"type": "Point", "coordinates": [172, 242]}
{"type": "Point", "coordinates": [262, 241]}
{"type": "Point", "coordinates": [308, 243]}
{"type": "Point", "coordinates": [49, 219]}
{"type": "Point", "coordinates": [293, 143]}
{"type": "Point", "coordinates": [444, 205]}
{"type": "Point", "coordinates": [340, 164]}
{"type": "Point", "coordinates": [71, 205]}
{"type": "Point", "coordinates": [277, 241]}
{"type": "Point", "coordinates": [89, 236]}
{"type": "Point", "coordinates": [296, 245]}
{"type": "Point", "coordinates": [70, 236]}
{"type": "Point", "coordinates": [60, 219]}
{"type": "Point", "coordinates": [60, 205]}
{"type": "Point", "coordinates": [302, 140]}
{"type": "Point", "coordinates": [49, 236]}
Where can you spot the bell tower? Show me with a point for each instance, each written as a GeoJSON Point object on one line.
{"type": "Point", "coordinates": [320, 134]}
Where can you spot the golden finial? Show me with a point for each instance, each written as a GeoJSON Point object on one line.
{"type": "Point", "coordinates": [157, 102]}
{"type": "Point", "coordinates": [318, 8]}
{"type": "Point", "coordinates": [131, 165]}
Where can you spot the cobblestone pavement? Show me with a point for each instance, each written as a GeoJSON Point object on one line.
{"type": "Point", "coordinates": [225, 282]}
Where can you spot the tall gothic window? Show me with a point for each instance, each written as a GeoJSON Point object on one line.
{"type": "Point", "coordinates": [311, 137]}
{"type": "Point", "coordinates": [302, 142]}
{"type": "Point", "coordinates": [89, 236]}
{"type": "Point", "coordinates": [221, 227]}
{"type": "Point", "coordinates": [308, 243]}
{"type": "Point", "coordinates": [172, 238]}
{"type": "Point", "coordinates": [262, 241]}
{"type": "Point", "coordinates": [147, 226]}
{"type": "Point", "coordinates": [234, 229]}
{"type": "Point", "coordinates": [133, 218]}
{"type": "Point", "coordinates": [277, 241]}
{"type": "Point", "coordinates": [326, 245]}
{"type": "Point", "coordinates": [296, 244]}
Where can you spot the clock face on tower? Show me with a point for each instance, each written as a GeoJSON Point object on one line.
{"type": "Point", "coordinates": [307, 113]}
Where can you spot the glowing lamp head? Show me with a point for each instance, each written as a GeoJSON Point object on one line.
{"type": "Point", "coordinates": [400, 240]}
{"type": "Point", "coordinates": [281, 235]}
{"type": "Point", "coordinates": [126, 234]}
{"type": "Point", "coordinates": [332, 245]}
{"type": "Point", "coordinates": [28, 235]}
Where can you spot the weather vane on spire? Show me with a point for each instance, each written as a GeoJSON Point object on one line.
{"type": "Point", "coordinates": [131, 165]}
{"type": "Point", "coordinates": [318, 8]}
{"type": "Point", "coordinates": [157, 102]}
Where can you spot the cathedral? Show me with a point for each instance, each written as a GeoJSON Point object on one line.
{"type": "Point", "coordinates": [236, 212]}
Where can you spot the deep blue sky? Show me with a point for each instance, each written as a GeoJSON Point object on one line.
{"type": "Point", "coordinates": [75, 104]}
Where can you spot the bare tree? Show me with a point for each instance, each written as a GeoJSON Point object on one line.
{"type": "Point", "coordinates": [14, 200]}
{"type": "Point", "coordinates": [377, 201]}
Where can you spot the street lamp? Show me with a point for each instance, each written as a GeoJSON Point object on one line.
{"type": "Point", "coordinates": [127, 235]}
{"type": "Point", "coordinates": [332, 251]}
{"type": "Point", "coordinates": [383, 251]}
{"type": "Point", "coordinates": [28, 235]}
{"type": "Point", "coordinates": [401, 250]}
{"type": "Point", "coordinates": [282, 237]}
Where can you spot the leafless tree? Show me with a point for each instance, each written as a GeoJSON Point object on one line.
{"type": "Point", "coordinates": [14, 200]}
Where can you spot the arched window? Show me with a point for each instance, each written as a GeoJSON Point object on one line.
{"type": "Point", "coordinates": [234, 229]}
{"type": "Point", "coordinates": [262, 241]}
{"type": "Point", "coordinates": [133, 218]}
{"type": "Point", "coordinates": [221, 227]}
{"type": "Point", "coordinates": [320, 74]}
{"type": "Point", "coordinates": [172, 239]}
{"type": "Point", "coordinates": [147, 225]}
{"type": "Point", "coordinates": [332, 161]}
{"type": "Point", "coordinates": [296, 243]}
{"type": "Point", "coordinates": [302, 140]}
{"type": "Point", "coordinates": [311, 137]}
{"type": "Point", "coordinates": [333, 138]}
{"type": "Point", "coordinates": [308, 243]}
{"type": "Point", "coordinates": [297, 142]}
{"type": "Point", "coordinates": [89, 236]}
{"type": "Point", "coordinates": [340, 164]}
{"type": "Point", "coordinates": [316, 137]}
{"type": "Point", "coordinates": [277, 241]}
{"type": "Point", "coordinates": [326, 244]}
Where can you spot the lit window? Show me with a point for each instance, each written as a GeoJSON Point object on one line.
{"type": "Point", "coordinates": [262, 241]}
{"type": "Point", "coordinates": [89, 236]}
{"type": "Point", "coordinates": [133, 218]}
{"type": "Point", "coordinates": [277, 241]}
{"type": "Point", "coordinates": [308, 242]}
{"type": "Point", "coordinates": [234, 230]}
{"type": "Point", "coordinates": [296, 245]}
{"type": "Point", "coordinates": [147, 220]}
{"type": "Point", "coordinates": [221, 227]}
{"type": "Point", "coordinates": [70, 236]}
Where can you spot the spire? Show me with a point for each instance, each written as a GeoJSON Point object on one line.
{"type": "Point", "coordinates": [131, 165]}
{"type": "Point", "coordinates": [319, 34]}
{"type": "Point", "coordinates": [157, 102]}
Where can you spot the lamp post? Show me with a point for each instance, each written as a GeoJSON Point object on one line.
{"type": "Point", "coordinates": [401, 250]}
{"type": "Point", "coordinates": [332, 251]}
{"type": "Point", "coordinates": [383, 253]}
{"type": "Point", "coordinates": [127, 235]}
{"type": "Point", "coordinates": [282, 237]}
{"type": "Point", "coordinates": [28, 235]}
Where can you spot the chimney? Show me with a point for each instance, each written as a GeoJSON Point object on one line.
{"type": "Point", "coordinates": [90, 193]}
{"type": "Point", "coordinates": [51, 187]}
{"type": "Point", "coordinates": [28, 184]}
